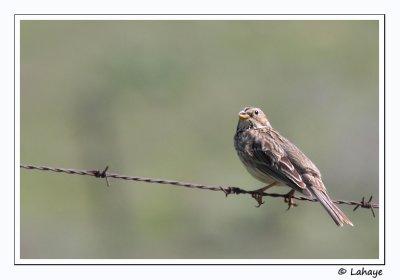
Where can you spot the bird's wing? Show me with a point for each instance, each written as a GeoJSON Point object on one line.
{"type": "Point", "coordinates": [270, 157]}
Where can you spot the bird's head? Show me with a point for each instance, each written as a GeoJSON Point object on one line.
{"type": "Point", "coordinates": [251, 117]}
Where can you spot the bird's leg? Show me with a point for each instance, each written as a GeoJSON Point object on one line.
{"type": "Point", "coordinates": [289, 199]}
{"type": "Point", "coordinates": [258, 194]}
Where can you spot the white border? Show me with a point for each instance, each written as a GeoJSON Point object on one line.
{"type": "Point", "coordinates": [17, 115]}
{"type": "Point", "coordinates": [198, 17]}
{"type": "Point", "coordinates": [18, 259]}
{"type": "Point", "coordinates": [206, 261]}
{"type": "Point", "coordinates": [382, 187]}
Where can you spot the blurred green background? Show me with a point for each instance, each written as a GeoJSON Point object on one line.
{"type": "Point", "coordinates": [160, 99]}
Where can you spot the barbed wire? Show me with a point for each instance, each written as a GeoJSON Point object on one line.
{"type": "Point", "coordinates": [227, 190]}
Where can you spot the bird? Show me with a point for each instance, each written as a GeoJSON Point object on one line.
{"type": "Point", "coordinates": [272, 159]}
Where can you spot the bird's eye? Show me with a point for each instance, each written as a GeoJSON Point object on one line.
{"type": "Point", "coordinates": [256, 112]}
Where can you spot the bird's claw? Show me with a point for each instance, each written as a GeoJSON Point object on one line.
{"type": "Point", "coordinates": [289, 200]}
{"type": "Point", "coordinates": [258, 196]}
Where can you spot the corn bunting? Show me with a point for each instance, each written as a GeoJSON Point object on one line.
{"type": "Point", "coordinates": [274, 160]}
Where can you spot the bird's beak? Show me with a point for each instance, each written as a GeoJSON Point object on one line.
{"type": "Point", "coordinates": [243, 115]}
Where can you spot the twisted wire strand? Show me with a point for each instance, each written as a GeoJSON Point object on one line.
{"type": "Point", "coordinates": [226, 189]}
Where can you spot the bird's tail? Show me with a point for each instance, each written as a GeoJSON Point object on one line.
{"type": "Point", "coordinates": [337, 215]}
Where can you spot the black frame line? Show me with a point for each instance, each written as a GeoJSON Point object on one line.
{"type": "Point", "coordinates": [225, 264]}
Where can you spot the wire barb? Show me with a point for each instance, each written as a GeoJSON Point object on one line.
{"type": "Point", "coordinates": [101, 174]}
{"type": "Point", "coordinates": [227, 190]}
{"type": "Point", "coordinates": [366, 204]}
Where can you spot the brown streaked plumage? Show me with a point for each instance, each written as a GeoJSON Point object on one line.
{"type": "Point", "coordinates": [274, 160]}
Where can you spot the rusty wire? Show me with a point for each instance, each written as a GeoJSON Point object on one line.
{"type": "Point", "coordinates": [227, 190]}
